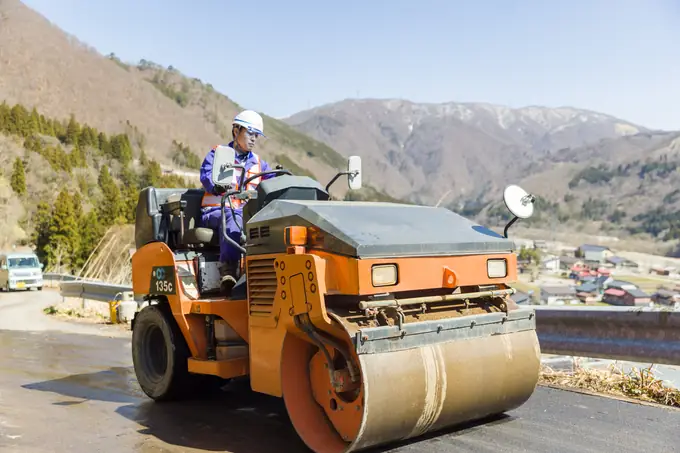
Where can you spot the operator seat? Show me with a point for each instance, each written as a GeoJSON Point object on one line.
{"type": "Point", "coordinates": [164, 214]}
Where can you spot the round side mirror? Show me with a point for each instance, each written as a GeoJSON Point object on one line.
{"type": "Point", "coordinates": [354, 170]}
{"type": "Point", "coordinates": [519, 202]}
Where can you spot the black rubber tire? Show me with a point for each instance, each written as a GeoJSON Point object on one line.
{"type": "Point", "coordinates": [170, 380]}
{"type": "Point", "coordinates": [159, 355]}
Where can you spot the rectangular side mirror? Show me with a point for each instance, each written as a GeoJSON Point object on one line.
{"type": "Point", "coordinates": [223, 172]}
{"type": "Point", "coordinates": [354, 169]}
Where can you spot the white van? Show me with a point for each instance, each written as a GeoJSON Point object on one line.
{"type": "Point", "coordinates": [20, 271]}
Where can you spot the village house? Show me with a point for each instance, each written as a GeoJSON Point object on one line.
{"type": "Point", "coordinates": [620, 292]}
{"type": "Point", "coordinates": [618, 262]}
{"type": "Point", "coordinates": [594, 253]}
{"type": "Point", "coordinates": [568, 263]}
{"type": "Point", "coordinates": [620, 284]}
{"type": "Point", "coordinates": [588, 293]}
{"type": "Point", "coordinates": [551, 264]}
{"type": "Point", "coordinates": [661, 270]}
{"type": "Point", "coordinates": [558, 295]}
{"type": "Point", "coordinates": [521, 298]}
{"type": "Point", "coordinates": [666, 298]}
{"type": "Point", "coordinates": [540, 245]}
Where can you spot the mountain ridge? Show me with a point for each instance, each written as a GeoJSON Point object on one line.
{"type": "Point", "coordinates": [463, 154]}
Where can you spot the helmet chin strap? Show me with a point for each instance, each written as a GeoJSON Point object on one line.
{"type": "Point", "coordinates": [238, 148]}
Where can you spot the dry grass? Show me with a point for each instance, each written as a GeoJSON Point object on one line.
{"type": "Point", "coordinates": [639, 384]}
{"type": "Point", "coordinates": [110, 260]}
{"type": "Point", "coordinates": [73, 309]}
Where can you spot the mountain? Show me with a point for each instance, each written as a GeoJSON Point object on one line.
{"type": "Point", "coordinates": [86, 131]}
{"type": "Point", "coordinates": [626, 185]}
{"type": "Point", "coordinates": [44, 67]}
{"type": "Point", "coordinates": [424, 150]}
{"type": "Point", "coordinates": [592, 172]}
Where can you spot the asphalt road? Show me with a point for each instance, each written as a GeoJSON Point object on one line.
{"type": "Point", "coordinates": [70, 388]}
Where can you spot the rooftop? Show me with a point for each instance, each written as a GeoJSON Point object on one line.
{"type": "Point", "coordinates": [558, 290]}
{"type": "Point", "coordinates": [621, 284]}
{"type": "Point", "coordinates": [637, 293]}
{"type": "Point", "coordinates": [587, 288]}
{"type": "Point", "coordinates": [593, 248]}
{"type": "Point", "coordinates": [521, 297]}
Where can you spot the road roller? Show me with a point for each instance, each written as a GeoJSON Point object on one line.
{"type": "Point", "coordinates": [375, 322]}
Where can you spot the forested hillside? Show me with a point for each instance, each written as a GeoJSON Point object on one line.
{"type": "Point", "coordinates": [72, 181]}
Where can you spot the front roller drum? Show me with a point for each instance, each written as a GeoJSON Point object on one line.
{"type": "Point", "coordinates": [409, 391]}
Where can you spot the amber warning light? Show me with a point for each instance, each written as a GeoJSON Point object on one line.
{"type": "Point", "coordinates": [295, 235]}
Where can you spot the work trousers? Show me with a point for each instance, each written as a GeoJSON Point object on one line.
{"type": "Point", "coordinates": [211, 219]}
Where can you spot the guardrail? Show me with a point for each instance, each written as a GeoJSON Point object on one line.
{"type": "Point", "coordinates": [648, 335]}
{"type": "Point", "coordinates": [53, 277]}
{"type": "Point", "coordinates": [119, 297]}
{"type": "Point", "coordinates": [92, 290]}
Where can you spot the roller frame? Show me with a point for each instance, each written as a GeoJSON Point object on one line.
{"type": "Point", "coordinates": [493, 359]}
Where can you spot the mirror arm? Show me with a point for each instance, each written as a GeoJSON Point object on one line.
{"type": "Point", "coordinates": [342, 173]}
{"type": "Point", "coordinates": [505, 231]}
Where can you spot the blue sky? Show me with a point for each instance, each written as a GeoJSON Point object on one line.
{"type": "Point", "coordinates": [620, 57]}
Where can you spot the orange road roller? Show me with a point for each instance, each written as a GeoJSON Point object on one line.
{"type": "Point", "coordinates": [375, 322]}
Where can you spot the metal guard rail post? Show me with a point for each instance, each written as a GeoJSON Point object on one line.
{"type": "Point", "coordinates": [91, 290]}
{"type": "Point", "coordinates": [646, 335]}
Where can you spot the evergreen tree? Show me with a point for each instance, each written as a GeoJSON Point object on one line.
{"type": "Point", "coordinates": [77, 201]}
{"type": "Point", "coordinates": [41, 234]}
{"type": "Point", "coordinates": [104, 144]}
{"type": "Point", "coordinates": [78, 156]}
{"type": "Point", "coordinates": [111, 207]}
{"type": "Point", "coordinates": [85, 138]}
{"type": "Point", "coordinates": [143, 161]}
{"type": "Point", "coordinates": [121, 149]}
{"type": "Point", "coordinates": [130, 193]}
{"type": "Point", "coordinates": [152, 174]}
{"type": "Point", "coordinates": [19, 124]}
{"type": "Point", "coordinates": [4, 117]}
{"type": "Point", "coordinates": [59, 130]}
{"type": "Point", "coordinates": [84, 186]}
{"type": "Point", "coordinates": [72, 131]}
{"type": "Point", "coordinates": [63, 232]}
{"type": "Point", "coordinates": [18, 180]}
{"type": "Point", "coordinates": [91, 232]}
{"type": "Point", "coordinates": [34, 123]}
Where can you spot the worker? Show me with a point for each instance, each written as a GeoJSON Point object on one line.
{"type": "Point", "coordinates": [247, 128]}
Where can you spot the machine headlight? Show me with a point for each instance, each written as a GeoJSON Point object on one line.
{"type": "Point", "coordinates": [384, 275]}
{"type": "Point", "coordinates": [497, 268]}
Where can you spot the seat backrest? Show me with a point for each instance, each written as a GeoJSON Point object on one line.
{"type": "Point", "coordinates": [150, 223]}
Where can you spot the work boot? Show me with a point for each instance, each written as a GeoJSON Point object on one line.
{"type": "Point", "coordinates": [228, 277]}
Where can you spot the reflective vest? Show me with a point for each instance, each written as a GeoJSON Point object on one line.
{"type": "Point", "coordinates": [215, 200]}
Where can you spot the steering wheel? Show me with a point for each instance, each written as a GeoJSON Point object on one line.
{"type": "Point", "coordinates": [277, 172]}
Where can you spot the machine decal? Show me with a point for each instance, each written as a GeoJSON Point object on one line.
{"type": "Point", "coordinates": [163, 280]}
{"type": "Point", "coordinates": [187, 280]}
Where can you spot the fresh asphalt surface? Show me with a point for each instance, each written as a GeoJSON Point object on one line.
{"type": "Point", "coordinates": [67, 387]}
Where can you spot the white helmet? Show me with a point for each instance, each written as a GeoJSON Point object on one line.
{"type": "Point", "coordinates": [251, 120]}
